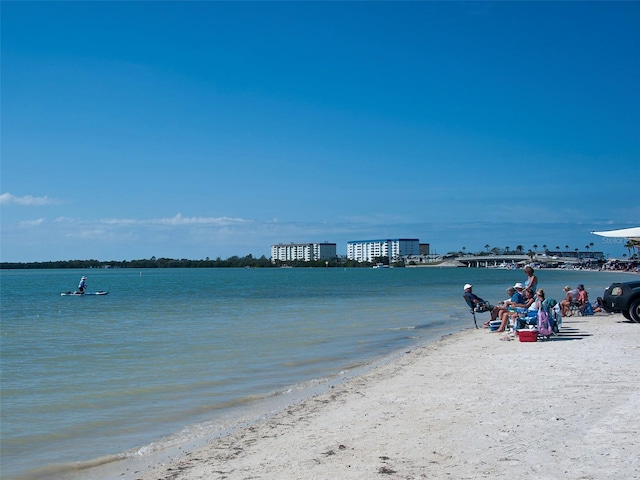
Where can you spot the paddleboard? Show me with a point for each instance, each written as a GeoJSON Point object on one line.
{"type": "Point", "coordinates": [74, 294]}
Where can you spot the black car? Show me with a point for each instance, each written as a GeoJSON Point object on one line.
{"type": "Point", "coordinates": [623, 298]}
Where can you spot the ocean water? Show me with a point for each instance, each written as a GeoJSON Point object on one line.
{"type": "Point", "coordinates": [171, 353]}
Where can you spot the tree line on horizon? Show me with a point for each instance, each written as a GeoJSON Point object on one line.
{"type": "Point", "coordinates": [153, 262]}
{"type": "Point", "coordinates": [520, 250]}
{"type": "Point", "coordinates": [248, 261]}
{"type": "Point", "coordinates": [630, 245]}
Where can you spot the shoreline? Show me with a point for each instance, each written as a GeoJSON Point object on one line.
{"type": "Point", "coordinates": [436, 304]}
{"type": "Point", "coordinates": [466, 406]}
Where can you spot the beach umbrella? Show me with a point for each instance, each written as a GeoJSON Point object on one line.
{"type": "Point", "coordinates": [632, 233]}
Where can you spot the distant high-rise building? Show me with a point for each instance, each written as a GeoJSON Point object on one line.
{"type": "Point", "coordinates": [393, 249]}
{"type": "Point", "coordinates": [303, 251]}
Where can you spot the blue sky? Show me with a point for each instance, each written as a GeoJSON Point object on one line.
{"type": "Point", "coordinates": [213, 129]}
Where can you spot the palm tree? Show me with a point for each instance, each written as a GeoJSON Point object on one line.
{"type": "Point", "coordinates": [519, 248]}
{"type": "Point", "coordinates": [506, 250]}
{"type": "Point", "coordinates": [487, 247]}
{"type": "Point", "coordinates": [629, 246]}
{"type": "Point", "coordinates": [544, 247]}
{"type": "Point", "coordinates": [535, 248]}
{"type": "Point", "coordinates": [464, 249]}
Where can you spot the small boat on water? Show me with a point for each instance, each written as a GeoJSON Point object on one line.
{"type": "Point", "coordinates": [78, 294]}
{"type": "Point", "coordinates": [505, 266]}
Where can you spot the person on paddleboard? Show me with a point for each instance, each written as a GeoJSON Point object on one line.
{"type": "Point", "coordinates": [82, 285]}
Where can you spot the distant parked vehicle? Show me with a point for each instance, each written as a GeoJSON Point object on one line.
{"type": "Point", "coordinates": [623, 298]}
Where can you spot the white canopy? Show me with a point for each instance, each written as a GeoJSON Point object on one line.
{"type": "Point", "coordinates": [630, 233]}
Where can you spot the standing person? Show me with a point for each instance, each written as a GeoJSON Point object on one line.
{"type": "Point", "coordinates": [532, 280]}
{"type": "Point", "coordinates": [82, 285]}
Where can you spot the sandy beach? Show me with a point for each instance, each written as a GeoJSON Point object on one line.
{"type": "Point", "coordinates": [468, 406]}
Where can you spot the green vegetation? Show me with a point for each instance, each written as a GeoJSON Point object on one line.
{"type": "Point", "coordinates": [534, 250]}
{"type": "Point", "coordinates": [153, 262]}
{"type": "Point", "coordinates": [232, 262]}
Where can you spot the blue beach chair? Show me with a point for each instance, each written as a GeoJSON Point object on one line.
{"type": "Point", "coordinates": [527, 318]}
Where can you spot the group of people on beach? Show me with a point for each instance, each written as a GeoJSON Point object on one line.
{"type": "Point", "coordinates": [526, 300]}
{"type": "Point", "coordinates": [577, 299]}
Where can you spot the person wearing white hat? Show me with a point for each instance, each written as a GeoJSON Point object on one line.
{"type": "Point", "coordinates": [82, 285]}
{"type": "Point", "coordinates": [471, 298]}
{"type": "Point", "coordinates": [515, 299]}
{"type": "Point", "coordinates": [477, 304]}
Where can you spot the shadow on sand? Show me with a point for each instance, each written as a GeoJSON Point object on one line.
{"type": "Point", "coordinates": [570, 330]}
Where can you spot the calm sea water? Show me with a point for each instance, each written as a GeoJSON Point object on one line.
{"type": "Point", "coordinates": [168, 352]}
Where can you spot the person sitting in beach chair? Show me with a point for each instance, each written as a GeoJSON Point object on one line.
{"type": "Point", "coordinates": [476, 304]}
{"type": "Point", "coordinates": [570, 303]}
{"type": "Point", "coordinates": [584, 306]}
{"type": "Point", "coordinates": [598, 306]}
{"type": "Point", "coordinates": [517, 311]}
{"type": "Point", "coordinates": [515, 298]}
{"type": "Point", "coordinates": [531, 317]}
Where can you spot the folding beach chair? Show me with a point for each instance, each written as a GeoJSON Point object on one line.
{"type": "Point", "coordinates": [575, 308]}
{"type": "Point", "coordinates": [556, 314]}
{"type": "Point", "coordinates": [479, 308]}
{"type": "Point", "coordinates": [528, 319]}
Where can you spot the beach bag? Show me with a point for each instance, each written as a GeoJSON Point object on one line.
{"type": "Point", "coordinates": [556, 316]}
{"type": "Point", "coordinates": [544, 322]}
{"type": "Point", "coordinates": [588, 309]}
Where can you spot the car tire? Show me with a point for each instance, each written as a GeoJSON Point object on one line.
{"type": "Point", "coordinates": [634, 310]}
{"type": "Point", "coordinates": [627, 315]}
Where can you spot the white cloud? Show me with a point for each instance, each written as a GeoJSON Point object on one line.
{"type": "Point", "coordinates": [27, 200]}
{"type": "Point", "coordinates": [32, 223]}
{"type": "Point", "coordinates": [101, 234]}
{"type": "Point", "coordinates": [175, 221]}
{"type": "Point", "coordinates": [217, 221]}
{"type": "Point", "coordinates": [178, 220]}
{"type": "Point", "coordinates": [119, 221]}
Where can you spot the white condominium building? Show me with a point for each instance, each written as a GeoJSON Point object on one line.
{"type": "Point", "coordinates": [369, 250]}
{"type": "Point", "coordinates": [303, 251]}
